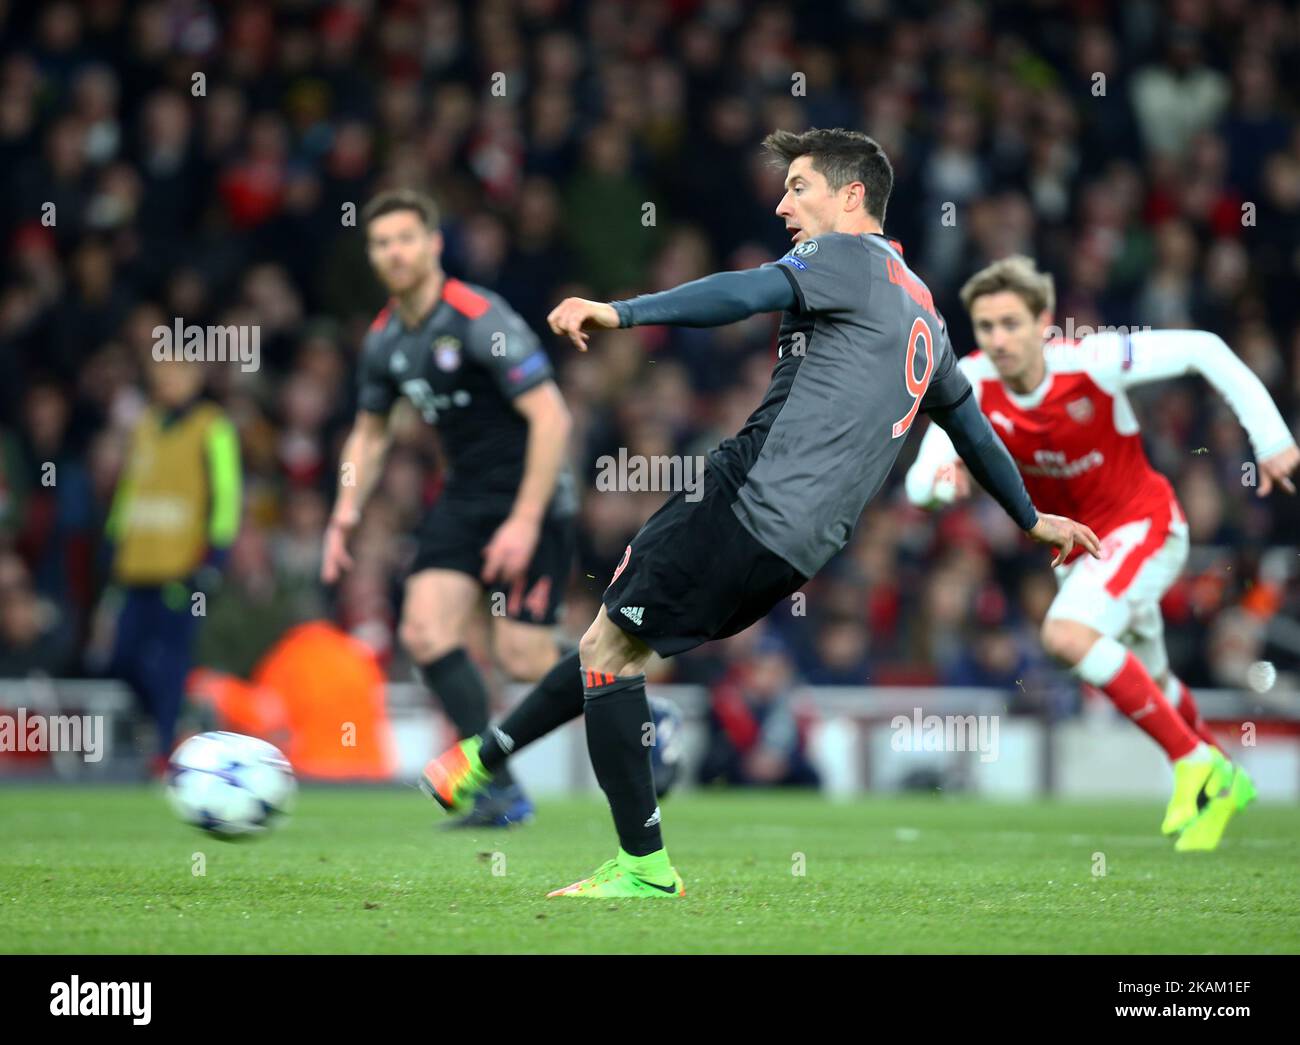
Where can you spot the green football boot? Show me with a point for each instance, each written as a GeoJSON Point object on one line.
{"type": "Point", "coordinates": [1205, 832]}
{"type": "Point", "coordinates": [617, 879]}
{"type": "Point", "coordinates": [1195, 785]}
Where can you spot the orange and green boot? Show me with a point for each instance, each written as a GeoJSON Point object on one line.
{"type": "Point", "coordinates": [456, 777]}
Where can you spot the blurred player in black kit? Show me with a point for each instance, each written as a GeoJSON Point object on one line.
{"type": "Point", "coordinates": [504, 523]}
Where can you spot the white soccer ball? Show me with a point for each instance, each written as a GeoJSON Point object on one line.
{"type": "Point", "coordinates": [229, 784]}
{"type": "Point", "coordinates": [1261, 676]}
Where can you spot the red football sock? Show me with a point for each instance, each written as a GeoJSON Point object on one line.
{"type": "Point", "coordinates": [1191, 714]}
{"type": "Point", "coordinates": [1135, 693]}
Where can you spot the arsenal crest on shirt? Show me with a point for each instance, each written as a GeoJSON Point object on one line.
{"type": "Point", "coordinates": [446, 353]}
{"type": "Point", "coordinates": [1080, 410]}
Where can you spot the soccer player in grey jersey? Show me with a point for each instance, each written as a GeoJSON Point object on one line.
{"type": "Point", "coordinates": [861, 352]}
{"type": "Point", "coordinates": [504, 522]}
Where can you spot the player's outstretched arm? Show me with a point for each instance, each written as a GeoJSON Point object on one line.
{"type": "Point", "coordinates": [714, 301]}
{"type": "Point", "coordinates": [988, 461]}
{"type": "Point", "coordinates": [1154, 355]}
{"type": "Point", "coordinates": [507, 555]}
{"type": "Point", "coordinates": [1064, 534]}
{"type": "Point", "coordinates": [1270, 438]}
{"type": "Point", "coordinates": [1277, 468]}
{"type": "Point", "coordinates": [359, 468]}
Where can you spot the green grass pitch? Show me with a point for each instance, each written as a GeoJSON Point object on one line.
{"type": "Point", "coordinates": [110, 870]}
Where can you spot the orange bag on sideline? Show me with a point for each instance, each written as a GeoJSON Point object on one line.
{"type": "Point", "coordinates": [319, 696]}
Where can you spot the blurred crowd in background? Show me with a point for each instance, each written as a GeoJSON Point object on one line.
{"type": "Point", "coordinates": [202, 158]}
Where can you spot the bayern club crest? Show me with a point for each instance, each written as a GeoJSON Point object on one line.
{"type": "Point", "coordinates": [1080, 410]}
{"type": "Point", "coordinates": [446, 353]}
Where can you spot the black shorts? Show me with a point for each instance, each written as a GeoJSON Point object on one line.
{"type": "Point", "coordinates": [693, 573]}
{"type": "Point", "coordinates": [456, 531]}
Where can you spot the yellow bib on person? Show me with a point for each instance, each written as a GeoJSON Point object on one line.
{"type": "Point", "coordinates": [161, 517]}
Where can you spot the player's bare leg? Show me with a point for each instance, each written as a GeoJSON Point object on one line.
{"type": "Point", "coordinates": [1207, 829]}
{"type": "Point", "coordinates": [1103, 662]}
{"type": "Point", "coordinates": [436, 609]}
{"type": "Point", "coordinates": [607, 647]}
{"type": "Point", "coordinates": [1201, 773]}
{"type": "Point", "coordinates": [462, 773]}
{"type": "Point", "coordinates": [1180, 697]}
{"type": "Point", "coordinates": [436, 612]}
{"type": "Point", "coordinates": [1146, 639]}
{"type": "Point", "coordinates": [619, 734]}
{"type": "Point", "coordinates": [524, 652]}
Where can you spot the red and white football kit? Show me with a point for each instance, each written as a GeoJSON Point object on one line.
{"type": "Point", "coordinates": [1075, 439]}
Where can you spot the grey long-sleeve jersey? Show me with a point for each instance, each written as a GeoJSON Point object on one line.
{"type": "Point", "coordinates": [861, 351]}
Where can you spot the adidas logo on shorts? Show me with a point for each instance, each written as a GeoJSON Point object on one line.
{"type": "Point", "coordinates": [633, 613]}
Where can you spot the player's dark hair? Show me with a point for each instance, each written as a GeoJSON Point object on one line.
{"type": "Point", "coordinates": [394, 200]}
{"type": "Point", "coordinates": [841, 157]}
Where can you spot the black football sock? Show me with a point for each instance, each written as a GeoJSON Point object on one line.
{"type": "Point", "coordinates": [459, 687]}
{"type": "Point", "coordinates": [555, 700]}
{"type": "Point", "coordinates": [618, 724]}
